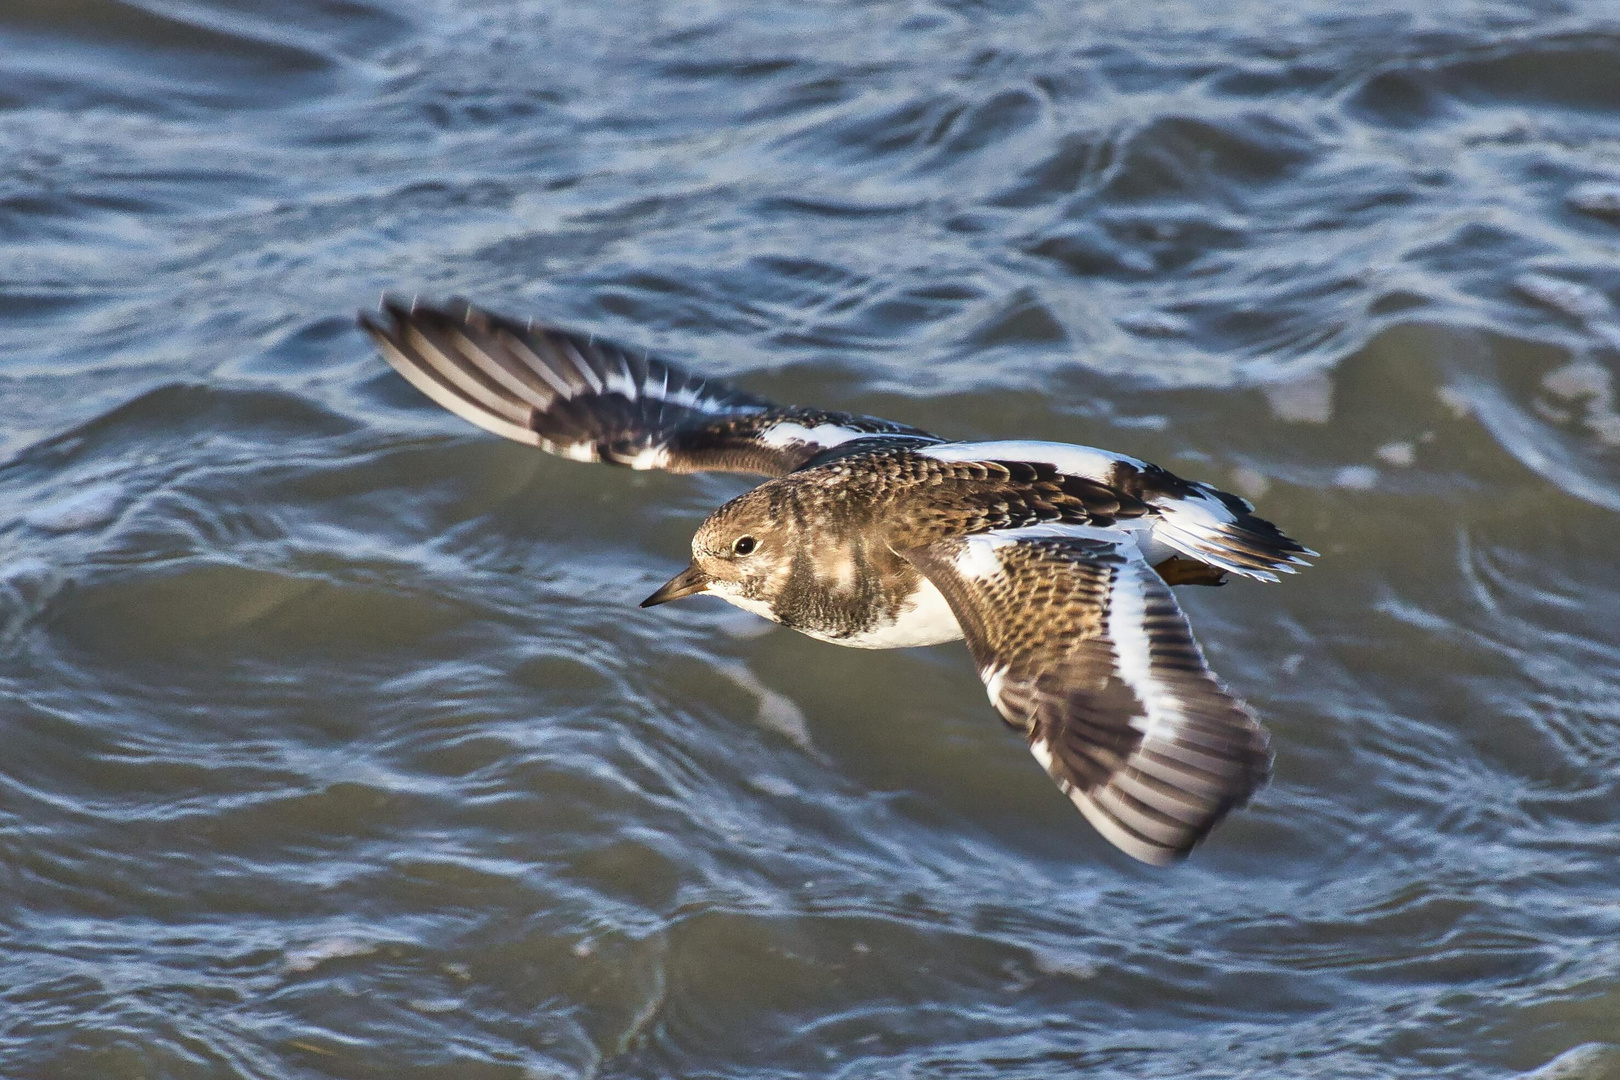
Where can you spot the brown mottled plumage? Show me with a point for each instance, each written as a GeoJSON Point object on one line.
{"type": "Point", "coordinates": [1053, 561]}
{"type": "Point", "coordinates": [1041, 627]}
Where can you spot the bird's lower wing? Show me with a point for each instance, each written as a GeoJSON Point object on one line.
{"type": "Point", "coordinates": [1082, 646]}
{"type": "Point", "coordinates": [590, 400]}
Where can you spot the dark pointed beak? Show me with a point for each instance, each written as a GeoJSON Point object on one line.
{"type": "Point", "coordinates": [686, 583]}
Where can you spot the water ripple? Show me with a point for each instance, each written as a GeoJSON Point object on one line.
{"type": "Point", "coordinates": [338, 746]}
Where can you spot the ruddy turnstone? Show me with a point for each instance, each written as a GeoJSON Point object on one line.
{"type": "Point", "coordinates": [1054, 561]}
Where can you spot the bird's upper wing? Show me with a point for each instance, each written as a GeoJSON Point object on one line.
{"type": "Point", "coordinates": [1201, 522]}
{"type": "Point", "coordinates": [590, 400]}
{"type": "Point", "coordinates": [1082, 646]}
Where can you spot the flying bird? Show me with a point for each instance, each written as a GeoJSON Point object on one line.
{"type": "Point", "coordinates": [1053, 561]}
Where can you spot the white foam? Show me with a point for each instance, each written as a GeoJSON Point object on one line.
{"type": "Point", "coordinates": [1306, 400]}
{"type": "Point", "coordinates": [777, 712]}
{"type": "Point", "coordinates": [1596, 198]}
{"type": "Point", "coordinates": [313, 955]}
{"type": "Point", "coordinates": [1570, 298]}
{"type": "Point", "coordinates": [1584, 1061]}
{"type": "Point", "coordinates": [1399, 454]}
{"type": "Point", "coordinates": [86, 508]}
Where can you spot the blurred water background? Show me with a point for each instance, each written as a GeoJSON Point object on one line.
{"type": "Point", "coordinates": [335, 745]}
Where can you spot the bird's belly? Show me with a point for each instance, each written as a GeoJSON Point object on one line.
{"type": "Point", "coordinates": [924, 619]}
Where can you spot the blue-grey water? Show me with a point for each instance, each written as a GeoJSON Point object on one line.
{"type": "Point", "coordinates": [335, 745]}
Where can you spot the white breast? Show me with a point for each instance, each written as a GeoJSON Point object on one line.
{"type": "Point", "coordinates": [756, 607]}
{"type": "Point", "coordinates": [924, 619]}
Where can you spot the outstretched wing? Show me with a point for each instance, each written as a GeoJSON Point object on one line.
{"type": "Point", "coordinates": [1082, 646]}
{"type": "Point", "coordinates": [1200, 522]}
{"type": "Point", "coordinates": [590, 400]}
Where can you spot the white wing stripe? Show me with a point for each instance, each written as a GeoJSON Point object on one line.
{"type": "Point", "coordinates": [1188, 757]}
{"type": "Point", "coordinates": [621, 381]}
{"type": "Point", "coordinates": [458, 379]}
{"type": "Point", "coordinates": [1167, 799]}
{"type": "Point", "coordinates": [1117, 834]}
{"type": "Point", "coordinates": [1193, 781]}
{"type": "Point", "coordinates": [994, 678]}
{"type": "Point", "coordinates": [1137, 817]}
{"type": "Point", "coordinates": [1120, 709]}
{"type": "Point", "coordinates": [588, 373]}
{"type": "Point", "coordinates": [498, 371]}
{"type": "Point", "coordinates": [1085, 461]}
{"type": "Point", "coordinates": [447, 398]}
{"type": "Point", "coordinates": [977, 560]}
{"type": "Point", "coordinates": [1127, 629]}
{"type": "Point", "coordinates": [521, 350]}
{"type": "Point", "coordinates": [787, 433]}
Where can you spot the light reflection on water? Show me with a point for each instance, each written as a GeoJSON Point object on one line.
{"type": "Point", "coordinates": [338, 748]}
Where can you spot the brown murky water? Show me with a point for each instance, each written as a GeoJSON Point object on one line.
{"type": "Point", "coordinates": [336, 746]}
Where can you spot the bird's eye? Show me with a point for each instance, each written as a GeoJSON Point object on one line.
{"type": "Point", "coordinates": [744, 545]}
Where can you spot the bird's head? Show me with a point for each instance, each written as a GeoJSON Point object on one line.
{"type": "Point", "coordinates": [741, 554]}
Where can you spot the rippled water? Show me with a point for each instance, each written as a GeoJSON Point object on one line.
{"type": "Point", "coordinates": [338, 748]}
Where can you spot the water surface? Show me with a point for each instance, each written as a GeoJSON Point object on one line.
{"type": "Point", "coordinates": [338, 748]}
